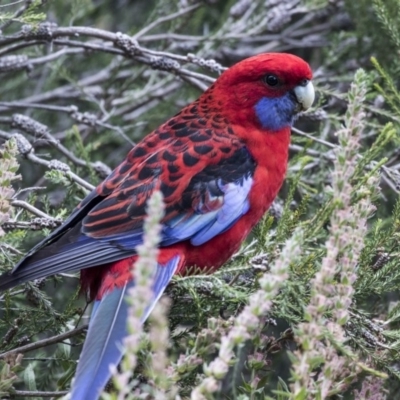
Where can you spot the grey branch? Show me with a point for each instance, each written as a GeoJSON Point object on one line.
{"type": "Point", "coordinates": [45, 342]}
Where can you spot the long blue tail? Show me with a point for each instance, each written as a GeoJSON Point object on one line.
{"type": "Point", "coordinates": [108, 327]}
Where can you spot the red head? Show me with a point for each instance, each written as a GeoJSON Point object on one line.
{"type": "Point", "coordinates": [265, 91]}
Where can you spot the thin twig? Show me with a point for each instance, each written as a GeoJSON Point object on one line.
{"type": "Point", "coordinates": [31, 209]}
{"type": "Point", "coordinates": [166, 18]}
{"type": "Point", "coordinates": [45, 342]}
{"type": "Point", "coordinates": [27, 393]}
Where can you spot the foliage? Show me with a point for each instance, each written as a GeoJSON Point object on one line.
{"type": "Point", "coordinates": [309, 307]}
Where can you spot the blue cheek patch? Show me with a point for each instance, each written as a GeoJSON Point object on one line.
{"type": "Point", "coordinates": [275, 113]}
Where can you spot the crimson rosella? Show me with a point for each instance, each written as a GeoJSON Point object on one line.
{"type": "Point", "coordinates": [219, 164]}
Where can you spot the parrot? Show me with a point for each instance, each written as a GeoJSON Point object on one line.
{"type": "Point", "coordinates": [219, 163]}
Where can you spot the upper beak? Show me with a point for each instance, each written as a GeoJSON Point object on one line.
{"type": "Point", "coordinates": [305, 94]}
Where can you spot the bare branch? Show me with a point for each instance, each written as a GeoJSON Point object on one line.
{"type": "Point", "coordinates": [26, 393]}
{"type": "Point", "coordinates": [45, 342]}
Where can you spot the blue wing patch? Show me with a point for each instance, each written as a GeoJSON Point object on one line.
{"type": "Point", "coordinates": [200, 227]}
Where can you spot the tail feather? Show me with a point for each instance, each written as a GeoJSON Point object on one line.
{"type": "Point", "coordinates": [103, 345]}
{"type": "Point", "coordinates": [108, 328]}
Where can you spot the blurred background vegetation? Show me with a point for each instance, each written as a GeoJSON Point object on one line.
{"type": "Point", "coordinates": [82, 95]}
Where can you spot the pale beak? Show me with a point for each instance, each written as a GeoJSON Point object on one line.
{"type": "Point", "coordinates": [305, 94]}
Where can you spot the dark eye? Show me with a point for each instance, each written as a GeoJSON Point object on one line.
{"type": "Point", "coordinates": [271, 80]}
